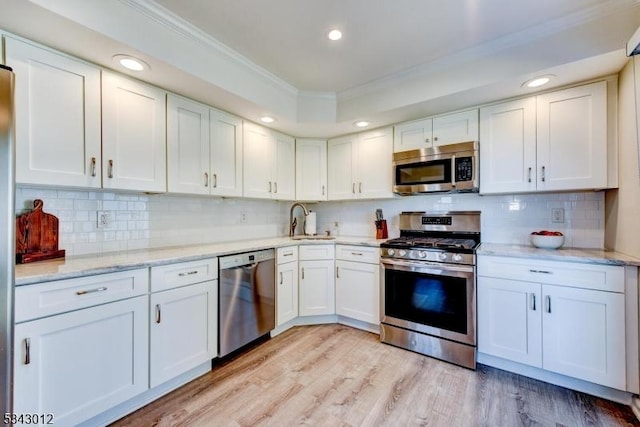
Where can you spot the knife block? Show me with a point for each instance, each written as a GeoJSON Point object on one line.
{"type": "Point", "coordinates": [381, 229]}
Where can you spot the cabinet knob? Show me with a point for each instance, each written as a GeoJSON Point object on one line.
{"type": "Point", "coordinates": [435, 138]}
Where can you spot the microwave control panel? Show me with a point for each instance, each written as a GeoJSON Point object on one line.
{"type": "Point", "coordinates": [464, 169]}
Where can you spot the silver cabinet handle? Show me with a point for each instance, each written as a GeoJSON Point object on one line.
{"type": "Point", "coordinates": [529, 176]}
{"type": "Point", "coordinates": [91, 291]}
{"type": "Point", "coordinates": [360, 188]}
{"type": "Point", "coordinates": [303, 273]}
{"type": "Point", "coordinates": [337, 272]}
{"type": "Point", "coordinates": [353, 188]}
{"type": "Point", "coordinates": [93, 166]}
{"type": "Point", "coordinates": [281, 280]}
{"type": "Point", "coordinates": [275, 187]}
{"type": "Point", "coordinates": [533, 302]}
{"type": "Point", "coordinates": [206, 179]}
{"type": "Point", "coordinates": [541, 271]}
{"type": "Point", "coordinates": [158, 314]}
{"type": "Point", "coordinates": [27, 351]}
{"type": "Point", "coordinates": [357, 253]}
{"type": "Point", "coordinates": [323, 190]}
{"type": "Point", "coordinates": [188, 273]}
{"type": "Point", "coordinates": [288, 254]}
{"type": "Point", "coordinates": [110, 169]}
{"type": "Point", "coordinates": [435, 138]}
{"type": "Point", "coordinates": [542, 177]}
{"type": "Point", "coordinates": [270, 188]}
{"type": "Point", "coordinates": [215, 180]}
{"type": "Point", "coordinates": [426, 140]}
{"type": "Point", "coordinates": [548, 303]}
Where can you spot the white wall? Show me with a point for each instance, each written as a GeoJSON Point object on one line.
{"type": "Point", "coordinates": [149, 221]}
{"type": "Point", "coordinates": [623, 205]}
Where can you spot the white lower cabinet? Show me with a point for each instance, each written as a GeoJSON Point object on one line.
{"type": "Point", "coordinates": [570, 330]}
{"type": "Point", "coordinates": [287, 285]}
{"type": "Point", "coordinates": [317, 294]}
{"type": "Point", "coordinates": [78, 364]}
{"type": "Point", "coordinates": [358, 283]}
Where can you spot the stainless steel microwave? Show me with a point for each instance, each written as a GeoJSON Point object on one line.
{"type": "Point", "coordinates": [452, 168]}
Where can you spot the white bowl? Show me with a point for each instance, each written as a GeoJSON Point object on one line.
{"type": "Point", "coordinates": [547, 242]}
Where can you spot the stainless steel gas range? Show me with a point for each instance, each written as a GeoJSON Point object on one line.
{"type": "Point", "coordinates": [428, 294]}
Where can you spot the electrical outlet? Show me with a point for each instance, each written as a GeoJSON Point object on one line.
{"type": "Point", "coordinates": [244, 217]}
{"type": "Point", "coordinates": [557, 215]}
{"type": "Point", "coordinates": [104, 219]}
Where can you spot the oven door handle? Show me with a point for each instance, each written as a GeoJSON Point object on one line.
{"type": "Point", "coordinates": [428, 267]}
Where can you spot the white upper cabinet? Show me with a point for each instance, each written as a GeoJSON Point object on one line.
{"type": "Point", "coordinates": [204, 149]}
{"type": "Point", "coordinates": [226, 154]}
{"type": "Point", "coordinates": [508, 147]}
{"type": "Point", "coordinates": [572, 138]}
{"type": "Point", "coordinates": [133, 135]}
{"type": "Point", "coordinates": [269, 164]}
{"type": "Point", "coordinates": [436, 131]}
{"type": "Point", "coordinates": [552, 142]}
{"type": "Point", "coordinates": [311, 169]}
{"type": "Point", "coordinates": [187, 146]}
{"type": "Point", "coordinates": [360, 166]}
{"type": "Point", "coordinates": [57, 102]}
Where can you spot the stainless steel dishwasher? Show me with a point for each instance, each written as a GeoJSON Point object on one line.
{"type": "Point", "coordinates": [247, 308]}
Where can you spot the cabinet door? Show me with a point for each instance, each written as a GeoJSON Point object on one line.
{"type": "Point", "coordinates": [133, 135]}
{"type": "Point", "coordinates": [258, 155]}
{"type": "Point", "coordinates": [340, 167]}
{"type": "Point", "coordinates": [184, 325]}
{"type": "Point", "coordinates": [311, 169]}
{"type": "Point", "coordinates": [572, 138]}
{"type": "Point", "coordinates": [456, 127]}
{"type": "Point", "coordinates": [287, 292]}
{"type": "Point", "coordinates": [510, 320]}
{"type": "Point", "coordinates": [374, 160]}
{"type": "Point", "coordinates": [584, 334]}
{"type": "Point", "coordinates": [358, 291]}
{"type": "Point", "coordinates": [226, 154]}
{"type": "Point", "coordinates": [187, 146]}
{"type": "Point", "coordinates": [317, 288]}
{"type": "Point", "coordinates": [284, 173]}
{"type": "Point", "coordinates": [413, 136]}
{"type": "Point", "coordinates": [79, 364]}
{"type": "Point", "coordinates": [57, 117]}
{"type": "Point", "coordinates": [508, 147]}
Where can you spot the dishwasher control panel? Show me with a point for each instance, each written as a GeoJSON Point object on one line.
{"type": "Point", "coordinates": [247, 258]}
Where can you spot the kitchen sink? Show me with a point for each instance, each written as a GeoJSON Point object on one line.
{"type": "Point", "coordinates": [316, 237]}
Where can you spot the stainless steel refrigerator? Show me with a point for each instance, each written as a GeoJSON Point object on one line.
{"type": "Point", "coordinates": [7, 237]}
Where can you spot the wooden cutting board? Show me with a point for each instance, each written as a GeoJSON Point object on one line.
{"type": "Point", "coordinates": [37, 235]}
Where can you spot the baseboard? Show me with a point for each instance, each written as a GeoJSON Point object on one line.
{"type": "Point", "coordinates": [359, 324]}
{"type": "Point", "coordinates": [635, 406]}
{"type": "Point", "coordinates": [145, 398]}
{"type": "Point", "coordinates": [608, 393]}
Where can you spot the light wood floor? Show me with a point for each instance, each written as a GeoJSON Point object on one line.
{"type": "Point", "coordinates": [333, 375]}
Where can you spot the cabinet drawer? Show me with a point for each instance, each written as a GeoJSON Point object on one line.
{"type": "Point", "coordinates": [288, 254]}
{"type": "Point", "coordinates": [310, 252]}
{"type": "Point", "coordinates": [358, 253]}
{"type": "Point", "coordinates": [575, 274]}
{"type": "Point", "coordinates": [183, 273]}
{"type": "Point", "coordinates": [46, 299]}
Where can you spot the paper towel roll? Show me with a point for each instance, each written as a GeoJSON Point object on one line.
{"type": "Point", "coordinates": [310, 224]}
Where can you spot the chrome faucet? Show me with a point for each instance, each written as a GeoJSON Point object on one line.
{"type": "Point", "coordinates": [294, 221]}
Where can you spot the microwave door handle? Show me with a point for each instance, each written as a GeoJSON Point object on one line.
{"type": "Point", "coordinates": [453, 171]}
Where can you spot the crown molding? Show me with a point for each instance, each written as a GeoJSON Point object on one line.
{"type": "Point", "coordinates": [178, 25]}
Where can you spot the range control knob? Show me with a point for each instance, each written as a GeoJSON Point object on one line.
{"type": "Point", "coordinates": [422, 254]}
{"type": "Point", "coordinates": [391, 252]}
{"type": "Point", "coordinates": [457, 257]}
{"type": "Point", "coordinates": [403, 252]}
{"type": "Point", "coordinates": [443, 256]}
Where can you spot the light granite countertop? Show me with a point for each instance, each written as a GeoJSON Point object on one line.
{"type": "Point", "coordinates": [72, 267]}
{"type": "Point", "coordinates": [598, 256]}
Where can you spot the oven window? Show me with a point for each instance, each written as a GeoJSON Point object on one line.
{"type": "Point", "coordinates": [432, 300]}
{"type": "Point", "coordinates": [432, 172]}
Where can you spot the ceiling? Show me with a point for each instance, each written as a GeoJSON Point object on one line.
{"type": "Point", "coordinates": [398, 59]}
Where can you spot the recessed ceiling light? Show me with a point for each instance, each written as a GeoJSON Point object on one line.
{"type": "Point", "coordinates": [361, 124]}
{"type": "Point", "coordinates": [334, 35]}
{"type": "Point", "coordinates": [538, 81]}
{"type": "Point", "coordinates": [131, 63]}
{"type": "Point", "coordinates": [267, 119]}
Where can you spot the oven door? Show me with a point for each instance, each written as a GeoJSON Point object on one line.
{"type": "Point", "coordinates": [431, 298]}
